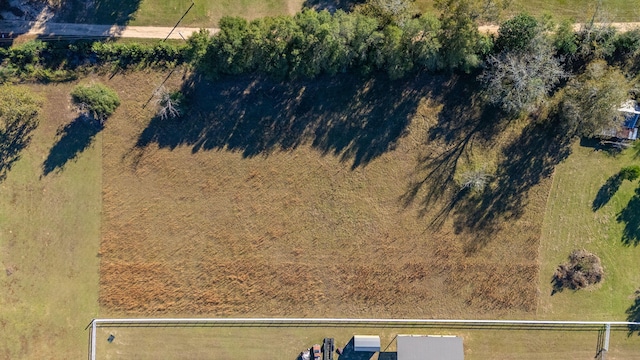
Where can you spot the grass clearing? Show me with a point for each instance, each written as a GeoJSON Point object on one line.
{"type": "Point", "coordinates": [208, 13]}
{"type": "Point", "coordinates": [571, 223]}
{"type": "Point", "coordinates": [303, 199]}
{"type": "Point", "coordinates": [49, 236]}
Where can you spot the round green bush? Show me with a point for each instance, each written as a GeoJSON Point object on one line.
{"type": "Point", "coordinates": [97, 100]}
{"type": "Point", "coordinates": [630, 173]}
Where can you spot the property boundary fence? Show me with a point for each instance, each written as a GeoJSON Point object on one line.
{"type": "Point", "coordinates": [604, 327]}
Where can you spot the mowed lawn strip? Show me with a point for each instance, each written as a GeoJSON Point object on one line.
{"type": "Point", "coordinates": [208, 13]}
{"type": "Point", "coordinates": [266, 199]}
{"type": "Point", "coordinates": [49, 236]}
{"type": "Point", "coordinates": [233, 342]}
{"type": "Point", "coordinates": [571, 223]}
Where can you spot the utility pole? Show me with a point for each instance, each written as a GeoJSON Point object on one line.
{"type": "Point", "coordinates": [183, 15]}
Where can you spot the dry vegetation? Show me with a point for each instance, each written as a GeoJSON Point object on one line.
{"type": "Point", "coordinates": [582, 270]}
{"type": "Point", "coordinates": [307, 199]}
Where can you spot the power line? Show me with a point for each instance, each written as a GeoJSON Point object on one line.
{"type": "Point", "coordinates": [176, 25]}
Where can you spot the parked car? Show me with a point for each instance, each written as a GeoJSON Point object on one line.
{"type": "Point", "coordinates": [315, 351]}
{"type": "Point", "coordinates": [328, 348]}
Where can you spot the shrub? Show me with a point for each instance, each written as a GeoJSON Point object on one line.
{"type": "Point", "coordinates": [19, 110]}
{"type": "Point", "coordinates": [96, 100]}
{"type": "Point", "coordinates": [27, 53]}
{"type": "Point", "coordinates": [582, 270]}
{"type": "Point", "coordinates": [475, 180]}
{"type": "Point", "coordinates": [596, 42]}
{"type": "Point", "coordinates": [134, 54]}
{"type": "Point", "coordinates": [388, 11]}
{"type": "Point", "coordinates": [197, 46]}
{"type": "Point", "coordinates": [630, 173]}
{"type": "Point", "coordinates": [517, 33]}
{"type": "Point", "coordinates": [627, 43]}
{"type": "Point", "coordinates": [169, 103]}
{"type": "Point", "coordinates": [565, 40]}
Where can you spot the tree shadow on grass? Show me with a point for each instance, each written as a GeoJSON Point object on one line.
{"type": "Point", "coordinates": [606, 192]}
{"type": "Point", "coordinates": [527, 161]}
{"type": "Point", "coordinates": [464, 121]}
{"type": "Point", "coordinates": [610, 148]}
{"type": "Point", "coordinates": [347, 116]}
{"type": "Point", "coordinates": [633, 314]}
{"type": "Point", "coordinates": [13, 139]}
{"type": "Point", "coordinates": [630, 215]}
{"type": "Point", "coordinates": [73, 139]}
{"type": "Point", "coordinates": [331, 5]}
{"type": "Point", "coordinates": [107, 12]}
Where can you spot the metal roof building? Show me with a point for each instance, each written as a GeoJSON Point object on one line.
{"type": "Point", "coordinates": [369, 343]}
{"type": "Point", "coordinates": [420, 347]}
{"type": "Point", "coordinates": [628, 128]}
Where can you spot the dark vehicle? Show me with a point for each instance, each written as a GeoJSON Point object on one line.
{"type": "Point", "coordinates": [328, 347]}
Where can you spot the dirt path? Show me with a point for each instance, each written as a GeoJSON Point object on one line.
{"type": "Point", "coordinates": [15, 28]}
{"type": "Point", "coordinates": [621, 26]}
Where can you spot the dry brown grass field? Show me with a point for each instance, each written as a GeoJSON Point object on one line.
{"type": "Point", "coordinates": [327, 198]}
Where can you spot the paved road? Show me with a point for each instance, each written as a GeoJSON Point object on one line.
{"type": "Point", "coordinates": [15, 28]}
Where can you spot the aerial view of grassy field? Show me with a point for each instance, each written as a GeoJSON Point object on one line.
{"type": "Point", "coordinates": [338, 196]}
{"type": "Point", "coordinates": [247, 214]}
{"type": "Point", "coordinates": [304, 199]}
{"type": "Point", "coordinates": [577, 218]}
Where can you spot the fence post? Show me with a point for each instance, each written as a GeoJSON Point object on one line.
{"type": "Point", "coordinates": [93, 340]}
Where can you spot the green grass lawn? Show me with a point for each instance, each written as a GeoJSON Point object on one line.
{"type": "Point", "coordinates": [287, 342]}
{"type": "Point", "coordinates": [580, 10]}
{"type": "Point", "coordinates": [571, 223]}
{"type": "Point", "coordinates": [207, 13]}
{"type": "Point", "coordinates": [49, 234]}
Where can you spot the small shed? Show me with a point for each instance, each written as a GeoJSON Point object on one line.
{"type": "Point", "coordinates": [367, 343]}
{"type": "Point", "coordinates": [421, 347]}
{"type": "Point", "coordinates": [628, 128]}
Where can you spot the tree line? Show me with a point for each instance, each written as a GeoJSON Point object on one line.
{"type": "Point", "coordinates": [526, 62]}
{"type": "Point", "coordinates": [375, 37]}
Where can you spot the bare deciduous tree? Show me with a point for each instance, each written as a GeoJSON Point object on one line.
{"type": "Point", "coordinates": [475, 180]}
{"type": "Point", "coordinates": [518, 81]}
{"type": "Point", "coordinates": [168, 103]}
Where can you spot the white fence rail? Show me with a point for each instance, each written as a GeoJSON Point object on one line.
{"type": "Point", "coordinates": [546, 324]}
